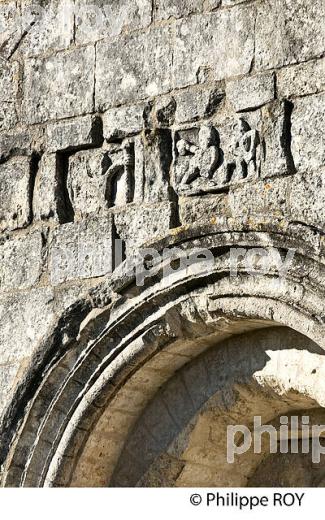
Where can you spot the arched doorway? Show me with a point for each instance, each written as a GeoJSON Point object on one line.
{"type": "Point", "coordinates": [128, 345]}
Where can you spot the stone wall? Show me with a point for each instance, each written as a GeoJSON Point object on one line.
{"type": "Point", "coordinates": [129, 119]}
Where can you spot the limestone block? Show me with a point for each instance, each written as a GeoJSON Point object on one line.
{"type": "Point", "coordinates": [21, 141]}
{"type": "Point", "coordinates": [307, 198]}
{"type": "Point", "coordinates": [278, 158]}
{"type": "Point", "coordinates": [100, 179]}
{"type": "Point", "coordinates": [59, 86]}
{"type": "Point", "coordinates": [21, 262]}
{"type": "Point", "coordinates": [70, 135]}
{"type": "Point", "coordinates": [203, 210]}
{"type": "Point", "coordinates": [47, 27]}
{"type": "Point", "coordinates": [32, 312]}
{"type": "Point", "coordinates": [176, 8]}
{"type": "Point", "coordinates": [10, 28]}
{"type": "Point", "coordinates": [123, 121]}
{"type": "Point", "coordinates": [251, 92]}
{"type": "Point", "coordinates": [15, 189]}
{"type": "Point", "coordinates": [87, 182]}
{"type": "Point", "coordinates": [139, 224]}
{"type": "Point", "coordinates": [197, 103]}
{"type": "Point", "coordinates": [81, 250]}
{"type": "Point", "coordinates": [303, 79]}
{"type": "Point", "coordinates": [308, 122]}
{"type": "Point", "coordinates": [103, 19]}
{"type": "Point", "coordinates": [49, 200]}
{"type": "Point", "coordinates": [133, 67]}
{"type": "Point", "coordinates": [289, 32]}
{"type": "Point", "coordinates": [221, 42]}
{"type": "Point", "coordinates": [157, 160]}
{"type": "Point", "coordinates": [260, 198]}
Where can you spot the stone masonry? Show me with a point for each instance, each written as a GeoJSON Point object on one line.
{"type": "Point", "coordinates": [137, 121]}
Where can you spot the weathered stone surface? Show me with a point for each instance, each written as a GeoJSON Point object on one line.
{"type": "Point", "coordinates": [232, 2]}
{"type": "Point", "coordinates": [156, 165]}
{"type": "Point", "coordinates": [87, 182]}
{"type": "Point", "coordinates": [134, 67]}
{"type": "Point", "coordinates": [74, 134]}
{"type": "Point", "coordinates": [278, 158]}
{"type": "Point", "coordinates": [21, 141]}
{"type": "Point", "coordinates": [123, 121]}
{"type": "Point", "coordinates": [209, 42]}
{"type": "Point", "coordinates": [268, 198]}
{"type": "Point", "coordinates": [15, 193]}
{"type": "Point", "coordinates": [252, 92]}
{"type": "Point", "coordinates": [289, 32]}
{"type": "Point", "coordinates": [47, 27]}
{"type": "Point", "coordinates": [165, 9]}
{"type": "Point", "coordinates": [9, 77]}
{"type": "Point", "coordinates": [33, 312]}
{"type": "Point", "coordinates": [49, 201]}
{"type": "Point", "coordinates": [197, 103]}
{"type": "Point", "coordinates": [138, 224]}
{"type": "Point", "coordinates": [205, 210]}
{"type": "Point", "coordinates": [21, 262]}
{"type": "Point", "coordinates": [212, 4]}
{"type": "Point", "coordinates": [10, 28]}
{"type": "Point", "coordinates": [102, 19]}
{"type": "Point", "coordinates": [59, 86]}
{"type": "Point", "coordinates": [307, 198]}
{"type": "Point", "coordinates": [81, 250]}
{"type": "Point", "coordinates": [303, 79]}
{"type": "Point", "coordinates": [102, 178]}
{"type": "Point", "coordinates": [8, 373]}
{"type": "Point", "coordinates": [308, 119]}
{"type": "Point", "coordinates": [209, 158]}
{"type": "Point", "coordinates": [176, 122]}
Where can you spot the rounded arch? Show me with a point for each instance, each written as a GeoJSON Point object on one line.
{"type": "Point", "coordinates": [126, 340]}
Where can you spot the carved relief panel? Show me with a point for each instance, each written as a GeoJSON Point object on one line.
{"type": "Point", "coordinates": [203, 165]}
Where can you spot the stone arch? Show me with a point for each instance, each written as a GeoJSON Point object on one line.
{"type": "Point", "coordinates": [125, 340]}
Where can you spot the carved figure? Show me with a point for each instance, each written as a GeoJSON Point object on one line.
{"type": "Point", "coordinates": [246, 148]}
{"type": "Point", "coordinates": [197, 161]}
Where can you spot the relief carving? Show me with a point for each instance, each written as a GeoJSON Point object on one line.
{"type": "Point", "coordinates": [246, 152]}
{"type": "Point", "coordinates": [101, 179]}
{"type": "Point", "coordinates": [200, 163]}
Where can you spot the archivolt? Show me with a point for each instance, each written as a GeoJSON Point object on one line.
{"type": "Point", "coordinates": [110, 353]}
